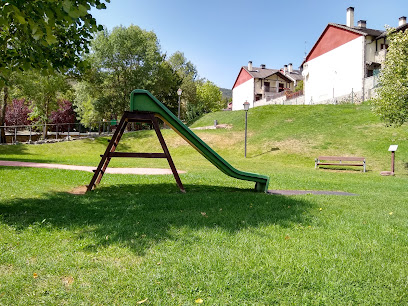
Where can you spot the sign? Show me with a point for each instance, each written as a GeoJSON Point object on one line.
{"type": "Point", "coordinates": [393, 148]}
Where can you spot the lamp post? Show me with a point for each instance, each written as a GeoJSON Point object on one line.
{"type": "Point", "coordinates": [246, 108]}
{"type": "Point", "coordinates": [179, 91]}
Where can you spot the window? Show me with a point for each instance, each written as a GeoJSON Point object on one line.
{"type": "Point", "coordinates": [267, 86]}
{"type": "Point", "coordinates": [281, 87]}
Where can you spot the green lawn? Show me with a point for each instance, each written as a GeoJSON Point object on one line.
{"type": "Point", "coordinates": [138, 237]}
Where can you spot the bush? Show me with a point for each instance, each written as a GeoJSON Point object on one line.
{"type": "Point", "coordinates": [17, 113]}
{"type": "Point", "coordinates": [64, 114]}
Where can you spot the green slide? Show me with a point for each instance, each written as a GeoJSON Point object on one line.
{"type": "Point", "coordinates": [144, 101]}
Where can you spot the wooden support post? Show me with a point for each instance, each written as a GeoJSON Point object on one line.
{"type": "Point", "coordinates": [110, 150]}
{"type": "Point", "coordinates": [167, 153]}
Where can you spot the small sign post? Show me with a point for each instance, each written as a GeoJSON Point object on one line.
{"type": "Point", "coordinates": [391, 149]}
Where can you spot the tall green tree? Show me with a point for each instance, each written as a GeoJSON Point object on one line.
{"type": "Point", "coordinates": [122, 60]}
{"type": "Point", "coordinates": [188, 74]}
{"type": "Point", "coordinates": [44, 34]}
{"type": "Point", "coordinates": [43, 91]}
{"type": "Point", "coordinates": [209, 96]}
{"type": "Point", "coordinates": [391, 103]}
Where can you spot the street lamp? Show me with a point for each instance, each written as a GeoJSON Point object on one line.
{"type": "Point", "coordinates": [246, 108]}
{"type": "Point", "coordinates": [179, 91]}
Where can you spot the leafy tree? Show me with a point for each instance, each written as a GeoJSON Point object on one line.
{"type": "Point", "coordinates": [86, 96]}
{"type": "Point", "coordinates": [184, 68]}
{"type": "Point", "coordinates": [64, 114]}
{"type": "Point", "coordinates": [391, 103]}
{"type": "Point", "coordinates": [165, 85]}
{"type": "Point", "coordinates": [44, 34]}
{"type": "Point", "coordinates": [187, 72]}
{"type": "Point", "coordinates": [123, 60]}
{"type": "Point", "coordinates": [299, 86]}
{"type": "Point", "coordinates": [209, 96]}
{"type": "Point", "coordinates": [43, 91]}
{"type": "Point", "coordinates": [17, 113]}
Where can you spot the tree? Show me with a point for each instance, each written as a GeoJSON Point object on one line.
{"type": "Point", "coordinates": [165, 85]}
{"type": "Point", "coordinates": [188, 74]}
{"type": "Point", "coordinates": [86, 96]}
{"type": "Point", "coordinates": [18, 113]}
{"type": "Point", "coordinates": [43, 91]}
{"type": "Point", "coordinates": [64, 114]}
{"type": "Point", "coordinates": [123, 60]}
{"type": "Point", "coordinates": [391, 103]}
{"type": "Point", "coordinates": [209, 96]}
{"type": "Point", "coordinates": [46, 34]}
{"type": "Point", "coordinates": [43, 34]}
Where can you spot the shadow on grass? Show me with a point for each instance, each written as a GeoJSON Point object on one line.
{"type": "Point", "coordinates": [30, 160]}
{"type": "Point", "coordinates": [13, 149]}
{"type": "Point", "coordinates": [137, 217]}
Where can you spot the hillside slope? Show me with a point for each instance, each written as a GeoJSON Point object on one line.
{"type": "Point", "coordinates": [304, 132]}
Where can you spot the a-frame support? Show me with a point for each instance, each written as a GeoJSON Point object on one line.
{"type": "Point", "coordinates": [110, 150]}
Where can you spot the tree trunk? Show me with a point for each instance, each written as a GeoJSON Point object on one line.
{"type": "Point", "coordinates": [3, 115]}
{"type": "Point", "coordinates": [45, 123]}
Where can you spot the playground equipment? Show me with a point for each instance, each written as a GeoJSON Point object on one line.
{"type": "Point", "coordinates": [144, 107]}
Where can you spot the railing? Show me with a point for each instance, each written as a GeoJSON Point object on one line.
{"type": "Point", "coordinates": [379, 56]}
{"type": "Point", "coordinates": [293, 95]}
{"type": "Point", "coordinates": [62, 131]}
{"type": "Point", "coordinates": [275, 95]}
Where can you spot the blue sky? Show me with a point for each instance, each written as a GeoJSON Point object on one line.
{"type": "Point", "coordinates": [221, 36]}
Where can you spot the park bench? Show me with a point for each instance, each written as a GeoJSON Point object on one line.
{"type": "Point", "coordinates": [341, 161]}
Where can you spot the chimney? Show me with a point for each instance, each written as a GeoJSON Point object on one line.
{"type": "Point", "coordinates": [250, 66]}
{"type": "Point", "coordinates": [290, 68]}
{"type": "Point", "coordinates": [350, 17]}
{"type": "Point", "coordinates": [263, 66]}
{"type": "Point", "coordinates": [362, 24]}
{"type": "Point", "coordinates": [285, 69]}
{"type": "Point", "coordinates": [402, 20]}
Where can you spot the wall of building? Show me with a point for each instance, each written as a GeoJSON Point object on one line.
{"type": "Point", "coordinates": [241, 93]}
{"type": "Point", "coordinates": [281, 101]}
{"type": "Point", "coordinates": [274, 81]}
{"type": "Point", "coordinates": [335, 73]}
{"type": "Point", "coordinates": [370, 49]}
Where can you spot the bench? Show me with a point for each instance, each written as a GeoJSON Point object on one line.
{"type": "Point", "coordinates": [339, 161]}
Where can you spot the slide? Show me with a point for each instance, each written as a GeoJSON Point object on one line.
{"type": "Point", "coordinates": [144, 101]}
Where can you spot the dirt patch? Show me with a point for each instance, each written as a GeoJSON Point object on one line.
{"type": "Point", "coordinates": [212, 127]}
{"type": "Point", "coordinates": [78, 190]}
{"type": "Point", "coordinates": [292, 145]}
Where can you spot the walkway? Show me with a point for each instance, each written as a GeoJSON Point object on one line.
{"type": "Point", "coordinates": [140, 171]}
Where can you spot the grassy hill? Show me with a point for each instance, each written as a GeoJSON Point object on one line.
{"type": "Point", "coordinates": [301, 133]}
{"type": "Point", "coordinates": [138, 239]}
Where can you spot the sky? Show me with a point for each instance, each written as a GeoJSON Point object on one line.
{"type": "Point", "coordinates": [221, 36]}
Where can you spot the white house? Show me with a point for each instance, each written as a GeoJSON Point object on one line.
{"type": "Point", "coordinates": [257, 83]}
{"type": "Point", "coordinates": [342, 61]}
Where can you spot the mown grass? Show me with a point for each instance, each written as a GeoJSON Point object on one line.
{"type": "Point", "coordinates": [138, 237]}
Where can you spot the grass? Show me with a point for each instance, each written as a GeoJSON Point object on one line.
{"type": "Point", "coordinates": [138, 237]}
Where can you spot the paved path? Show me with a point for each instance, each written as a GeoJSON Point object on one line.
{"type": "Point", "coordinates": [298, 192]}
{"type": "Point", "coordinates": [145, 171]}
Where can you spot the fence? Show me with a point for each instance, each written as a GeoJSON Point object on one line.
{"type": "Point", "coordinates": [57, 132]}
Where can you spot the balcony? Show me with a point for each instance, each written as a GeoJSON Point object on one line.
{"type": "Point", "coordinates": [379, 56]}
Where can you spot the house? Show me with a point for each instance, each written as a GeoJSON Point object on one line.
{"type": "Point", "coordinates": [344, 61]}
{"type": "Point", "coordinates": [260, 83]}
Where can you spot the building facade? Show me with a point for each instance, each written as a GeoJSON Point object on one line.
{"type": "Point", "coordinates": [260, 83]}
{"type": "Point", "coordinates": [342, 60]}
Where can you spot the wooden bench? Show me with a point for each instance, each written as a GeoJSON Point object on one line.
{"type": "Point", "coordinates": [339, 161]}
